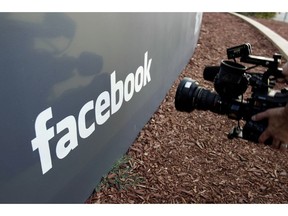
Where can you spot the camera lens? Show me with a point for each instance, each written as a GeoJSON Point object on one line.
{"type": "Point", "coordinates": [190, 96]}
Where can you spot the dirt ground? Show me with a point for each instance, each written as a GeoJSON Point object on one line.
{"type": "Point", "coordinates": [186, 157]}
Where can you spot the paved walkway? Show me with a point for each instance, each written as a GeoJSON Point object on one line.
{"type": "Point", "coordinates": [276, 39]}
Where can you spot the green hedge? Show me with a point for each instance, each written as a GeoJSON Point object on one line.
{"type": "Point", "coordinates": [267, 15]}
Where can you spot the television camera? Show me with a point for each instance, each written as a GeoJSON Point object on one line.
{"type": "Point", "coordinates": [231, 80]}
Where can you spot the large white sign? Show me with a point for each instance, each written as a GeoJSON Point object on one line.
{"type": "Point", "coordinates": [104, 106]}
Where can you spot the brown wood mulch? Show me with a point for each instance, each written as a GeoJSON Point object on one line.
{"type": "Point", "coordinates": [187, 157]}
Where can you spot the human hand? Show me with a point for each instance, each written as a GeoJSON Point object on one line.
{"type": "Point", "coordinates": [277, 126]}
{"type": "Point", "coordinates": [285, 73]}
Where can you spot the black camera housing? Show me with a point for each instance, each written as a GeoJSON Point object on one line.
{"type": "Point", "coordinates": [231, 80]}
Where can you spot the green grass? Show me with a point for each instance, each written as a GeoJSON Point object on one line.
{"type": "Point", "coordinates": [121, 176]}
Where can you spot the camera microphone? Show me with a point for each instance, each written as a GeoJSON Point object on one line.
{"type": "Point", "coordinates": [210, 72]}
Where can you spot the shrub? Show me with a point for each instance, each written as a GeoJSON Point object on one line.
{"type": "Point", "coordinates": [265, 15]}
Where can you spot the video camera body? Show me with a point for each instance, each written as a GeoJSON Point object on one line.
{"type": "Point", "coordinates": [231, 80]}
